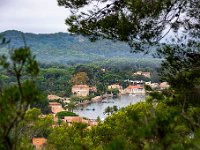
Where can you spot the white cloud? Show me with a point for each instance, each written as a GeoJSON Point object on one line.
{"type": "Point", "coordinates": [38, 16]}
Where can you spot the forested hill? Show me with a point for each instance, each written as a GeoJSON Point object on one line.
{"type": "Point", "coordinates": [71, 49]}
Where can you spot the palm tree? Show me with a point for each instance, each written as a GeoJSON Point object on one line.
{"type": "Point", "coordinates": [115, 108]}
{"type": "Point", "coordinates": [71, 106]}
{"type": "Point", "coordinates": [108, 110]}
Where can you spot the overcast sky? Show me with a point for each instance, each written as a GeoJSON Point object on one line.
{"type": "Point", "coordinates": [36, 16]}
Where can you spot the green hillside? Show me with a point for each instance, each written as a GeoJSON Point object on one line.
{"type": "Point", "coordinates": [64, 48]}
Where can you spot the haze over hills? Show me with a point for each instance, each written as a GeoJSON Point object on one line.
{"type": "Point", "coordinates": [64, 48]}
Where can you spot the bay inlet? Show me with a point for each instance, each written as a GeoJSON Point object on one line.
{"type": "Point", "coordinates": [93, 110]}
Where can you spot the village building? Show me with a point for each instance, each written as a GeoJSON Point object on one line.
{"type": "Point", "coordinates": [145, 74]}
{"type": "Point", "coordinates": [137, 73]}
{"type": "Point", "coordinates": [164, 85]}
{"type": "Point", "coordinates": [56, 107]}
{"type": "Point", "coordinates": [93, 89]}
{"type": "Point", "coordinates": [92, 123]}
{"type": "Point", "coordinates": [39, 143]}
{"type": "Point", "coordinates": [72, 119]}
{"type": "Point", "coordinates": [80, 90]}
{"type": "Point", "coordinates": [153, 85]}
{"type": "Point", "coordinates": [115, 86]}
{"type": "Point", "coordinates": [135, 89]}
{"type": "Point", "coordinates": [134, 82]}
{"type": "Point", "coordinates": [55, 97]}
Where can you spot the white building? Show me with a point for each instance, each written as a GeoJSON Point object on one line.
{"type": "Point", "coordinates": [80, 90]}
{"type": "Point", "coordinates": [135, 89]}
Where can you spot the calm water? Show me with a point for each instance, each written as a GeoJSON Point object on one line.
{"type": "Point", "coordinates": [92, 111]}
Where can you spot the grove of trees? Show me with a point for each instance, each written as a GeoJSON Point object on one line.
{"type": "Point", "coordinates": [166, 120]}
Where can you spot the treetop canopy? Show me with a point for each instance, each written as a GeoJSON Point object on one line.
{"type": "Point", "coordinates": [133, 21]}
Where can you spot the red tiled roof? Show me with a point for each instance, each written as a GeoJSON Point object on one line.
{"type": "Point", "coordinates": [135, 87]}
{"type": "Point", "coordinates": [54, 103]}
{"type": "Point", "coordinates": [39, 142]}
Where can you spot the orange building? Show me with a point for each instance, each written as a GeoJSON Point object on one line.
{"type": "Point", "coordinates": [71, 119]}
{"type": "Point", "coordinates": [80, 90]}
{"type": "Point", "coordinates": [55, 107]}
{"type": "Point", "coordinates": [39, 143]}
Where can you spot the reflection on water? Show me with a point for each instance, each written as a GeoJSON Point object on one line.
{"type": "Point", "coordinates": [92, 111]}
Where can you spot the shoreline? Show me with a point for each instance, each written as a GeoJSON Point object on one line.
{"type": "Point", "coordinates": [94, 100]}
{"type": "Point", "coordinates": [99, 99]}
{"type": "Point", "coordinates": [93, 110]}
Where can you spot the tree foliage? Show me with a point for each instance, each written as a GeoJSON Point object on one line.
{"type": "Point", "coordinates": [167, 120]}
{"type": "Point", "coordinates": [70, 137]}
{"type": "Point", "coordinates": [15, 99]}
{"type": "Point", "coordinates": [63, 49]}
{"type": "Point", "coordinates": [133, 21]}
{"type": "Point", "coordinates": [34, 124]}
{"type": "Point", "coordinates": [80, 78]}
{"type": "Point", "coordinates": [62, 114]}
